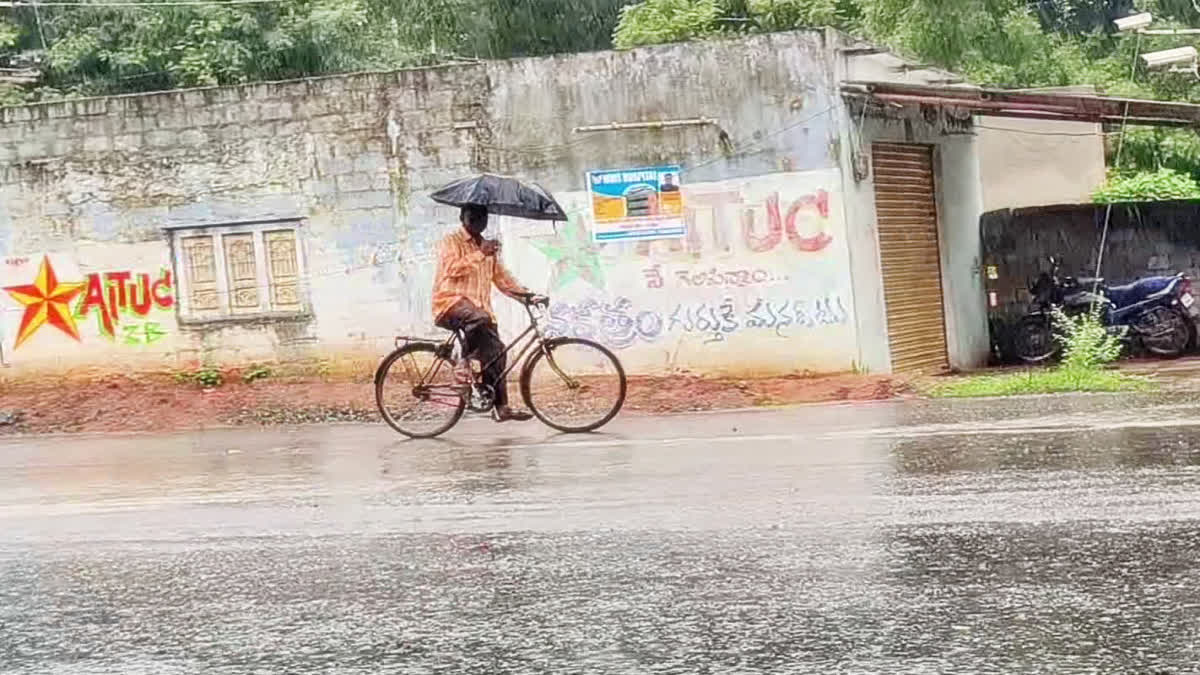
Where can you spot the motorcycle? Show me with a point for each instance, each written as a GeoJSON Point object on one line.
{"type": "Point", "coordinates": [1158, 313]}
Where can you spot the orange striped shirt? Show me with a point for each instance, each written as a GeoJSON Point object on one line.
{"type": "Point", "coordinates": [465, 272]}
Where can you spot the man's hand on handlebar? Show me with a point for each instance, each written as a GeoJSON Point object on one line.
{"type": "Point", "coordinates": [537, 300]}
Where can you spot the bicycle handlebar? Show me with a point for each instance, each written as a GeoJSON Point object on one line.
{"type": "Point", "coordinates": [528, 299]}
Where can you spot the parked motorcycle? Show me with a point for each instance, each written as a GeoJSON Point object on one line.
{"type": "Point", "coordinates": [1159, 312]}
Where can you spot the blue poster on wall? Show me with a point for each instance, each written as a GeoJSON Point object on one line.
{"type": "Point", "coordinates": [636, 204]}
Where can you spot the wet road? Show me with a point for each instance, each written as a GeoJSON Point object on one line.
{"type": "Point", "coordinates": [1044, 536]}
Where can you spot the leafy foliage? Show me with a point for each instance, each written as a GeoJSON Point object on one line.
{"type": "Point", "coordinates": [1145, 186]}
{"type": "Point", "coordinates": [255, 373]}
{"type": "Point", "coordinates": [1002, 43]}
{"type": "Point", "coordinates": [660, 21]}
{"type": "Point", "coordinates": [1156, 147]}
{"type": "Point", "coordinates": [100, 49]}
{"type": "Point", "coordinates": [510, 28]}
{"type": "Point", "coordinates": [206, 377]}
{"type": "Point", "coordinates": [11, 95]}
{"type": "Point", "coordinates": [493, 29]}
{"type": "Point", "coordinates": [10, 33]}
{"type": "Point", "coordinates": [775, 15]}
{"type": "Point", "coordinates": [1087, 343]}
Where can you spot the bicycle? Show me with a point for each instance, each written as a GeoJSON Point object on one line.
{"type": "Point", "coordinates": [449, 384]}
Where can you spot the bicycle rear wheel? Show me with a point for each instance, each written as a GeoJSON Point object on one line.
{"type": "Point", "coordinates": [417, 393]}
{"type": "Point", "coordinates": [573, 385]}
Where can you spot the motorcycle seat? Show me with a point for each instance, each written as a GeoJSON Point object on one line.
{"type": "Point", "coordinates": [1132, 293]}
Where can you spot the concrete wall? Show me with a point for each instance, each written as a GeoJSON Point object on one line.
{"type": "Point", "coordinates": [738, 295]}
{"type": "Point", "coordinates": [95, 184]}
{"type": "Point", "coordinates": [986, 164]}
{"type": "Point", "coordinates": [762, 283]}
{"type": "Point", "coordinates": [959, 202]}
{"type": "Point", "coordinates": [1035, 162]}
{"type": "Point", "coordinates": [764, 280]}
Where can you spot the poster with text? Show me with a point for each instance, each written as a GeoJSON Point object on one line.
{"type": "Point", "coordinates": [631, 204]}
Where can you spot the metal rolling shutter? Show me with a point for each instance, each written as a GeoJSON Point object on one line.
{"type": "Point", "coordinates": [906, 211]}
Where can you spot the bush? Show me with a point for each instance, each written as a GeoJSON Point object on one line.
{"type": "Point", "coordinates": [1087, 342]}
{"type": "Point", "coordinates": [1087, 346]}
{"type": "Point", "coordinates": [207, 377]}
{"type": "Point", "coordinates": [256, 373]}
{"type": "Point", "coordinates": [1147, 186]}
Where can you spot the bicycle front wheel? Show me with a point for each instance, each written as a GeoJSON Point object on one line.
{"type": "Point", "coordinates": [573, 385]}
{"type": "Point", "coordinates": [417, 393]}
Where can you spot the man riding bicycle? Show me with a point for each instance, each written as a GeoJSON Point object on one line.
{"type": "Point", "coordinates": [468, 267]}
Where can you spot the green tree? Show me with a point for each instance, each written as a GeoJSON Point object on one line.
{"type": "Point", "coordinates": [103, 50]}
{"type": "Point", "coordinates": [1001, 43]}
{"type": "Point", "coordinates": [507, 28]}
{"type": "Point", "coordinates": [10, 35]}
{"type": "Point", "coordinates": [1006, 43]}
{"type": "Point", "coordinates": [495, 29]}
{"type": "Point", "coordinates": [660, 21]}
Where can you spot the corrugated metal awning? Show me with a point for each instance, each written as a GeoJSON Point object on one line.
{"type": "Point", "coordinates": [1026, 104]}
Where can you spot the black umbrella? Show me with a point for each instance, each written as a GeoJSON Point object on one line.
{"type": "Point", "coordinates": [503, 196]}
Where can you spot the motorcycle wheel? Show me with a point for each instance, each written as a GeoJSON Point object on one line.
{"type": "Point", "coordinates": [1170, 332]}
{"type": "Point", "coordinates": [1033, 340]}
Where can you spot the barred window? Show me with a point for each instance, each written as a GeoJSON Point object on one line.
{"type": "Point", "coordinates": [239, 270]}
{"type": "Point", "coordinates": [200, 267]}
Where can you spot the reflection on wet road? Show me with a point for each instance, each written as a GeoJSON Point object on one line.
{"type": "Point", "coordinates": [1041, 535]}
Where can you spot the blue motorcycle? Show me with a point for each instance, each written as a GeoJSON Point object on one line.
{"type": "Point", "coordinates": [1158, 314]}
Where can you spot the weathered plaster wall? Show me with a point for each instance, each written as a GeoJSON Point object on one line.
{"type": "Point", "coordinates": [1036, 162]}
{"type": "Point", "coordinates": [959, 202]}
{"type": "Point", "coordinates": [91, 182]}
{"type": "Point", "coordinates": [743, 294]}
{"type": "Point", "coordinates": [763, 284]}
{"type": "Point", "coordinates": [95, 185]}
{"type": "Point", "coordinates": [960, 195]}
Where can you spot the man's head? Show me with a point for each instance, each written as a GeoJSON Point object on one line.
{"type": "Point", "coordinates": [474, 219]}
{"type": "Point", "coordinates": [668, 179]}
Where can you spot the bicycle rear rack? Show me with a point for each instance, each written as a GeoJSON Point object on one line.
{"type": "Point", "coordinates": [402, 340]}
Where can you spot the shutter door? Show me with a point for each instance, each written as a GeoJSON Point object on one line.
{"type": "Point", "coordinates": [906, 210]}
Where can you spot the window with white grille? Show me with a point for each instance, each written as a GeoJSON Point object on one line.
{"type": "Point", "coordinates": [239, 270]}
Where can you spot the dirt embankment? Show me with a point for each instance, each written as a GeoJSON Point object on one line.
{"type": "Point", "coordinates": [161, 403]}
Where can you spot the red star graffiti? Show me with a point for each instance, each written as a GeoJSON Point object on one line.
{"type": "Point", "coordinates": [46, 301]}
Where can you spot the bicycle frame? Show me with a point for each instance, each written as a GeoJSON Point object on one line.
{"type": "Point", "coordinates": [538, 340]}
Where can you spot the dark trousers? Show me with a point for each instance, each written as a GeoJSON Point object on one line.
{"type": "Point", "coordinates": [483, 344]}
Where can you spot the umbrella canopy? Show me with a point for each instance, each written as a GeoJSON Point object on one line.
{"type": "Point", "coordinates": [503, 196]}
